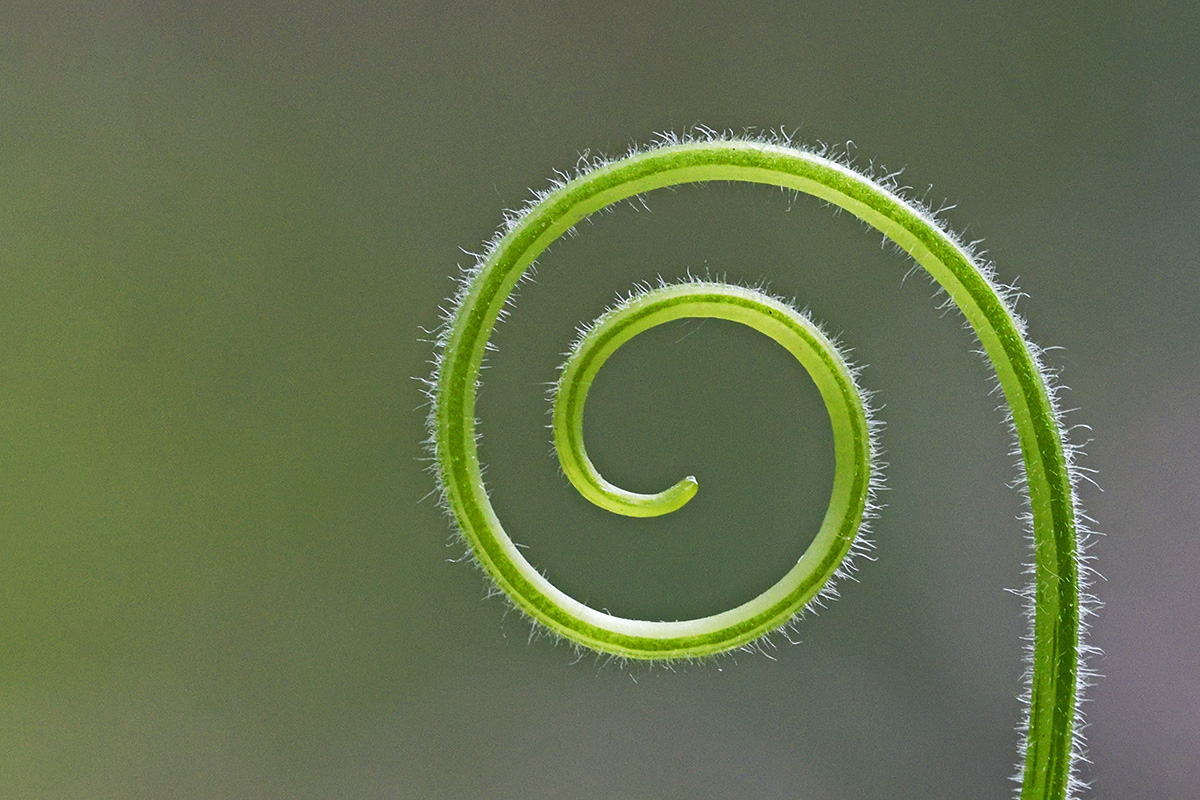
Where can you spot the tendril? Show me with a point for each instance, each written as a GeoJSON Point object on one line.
{"type": "Point", "coordinates": [1051, 744]}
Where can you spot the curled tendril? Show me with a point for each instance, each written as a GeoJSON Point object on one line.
{"type": "Point", "coordinates": [1055, 597]}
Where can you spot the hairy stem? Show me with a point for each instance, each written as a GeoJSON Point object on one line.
{"type": "Point", "coordinates": [1055, 593]}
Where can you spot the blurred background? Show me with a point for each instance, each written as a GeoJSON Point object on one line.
{"type": "Point", "coordinates": [225, 225]}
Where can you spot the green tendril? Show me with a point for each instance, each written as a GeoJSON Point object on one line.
{"type": "Point", "coordinates": [1051, 744]}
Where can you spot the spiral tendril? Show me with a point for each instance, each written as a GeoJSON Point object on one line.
{"type": "Point", "coordinates": [1055, 598]}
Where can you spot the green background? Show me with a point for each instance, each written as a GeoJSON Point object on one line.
{"type": "Point", "coordinates": [223, 227]}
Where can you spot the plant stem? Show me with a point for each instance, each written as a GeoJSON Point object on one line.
{"type": "Point", "coordinates": [1054, 597]}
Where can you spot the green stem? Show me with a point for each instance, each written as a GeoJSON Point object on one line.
{"type": "Point", "coordinates": [1049, 747]}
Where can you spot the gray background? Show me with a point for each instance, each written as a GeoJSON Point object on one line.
{"type": "Point", "coordinates": [223, 226]}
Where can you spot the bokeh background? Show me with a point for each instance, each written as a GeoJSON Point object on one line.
{"type": "Point", "coordinates": [223, 227]}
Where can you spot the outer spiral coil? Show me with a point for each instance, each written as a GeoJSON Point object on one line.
{"type": "Point", "coordinates": [1055, 597]}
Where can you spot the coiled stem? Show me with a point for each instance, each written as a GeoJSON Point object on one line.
{"type": "Point", "coordinates": [1050, 747]}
